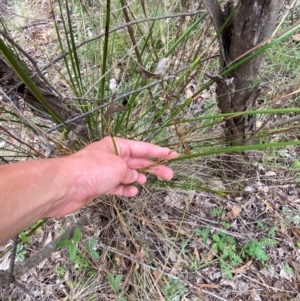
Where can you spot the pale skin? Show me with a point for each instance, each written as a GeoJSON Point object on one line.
{"type": "Point", "coordinates": [34, 190]}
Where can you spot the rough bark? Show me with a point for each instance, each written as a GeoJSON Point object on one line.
{"type": "Point", "coordinates": [252, 22]}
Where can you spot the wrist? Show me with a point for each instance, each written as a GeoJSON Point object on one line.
{"type": "Point", "coordinates": [62, 185]}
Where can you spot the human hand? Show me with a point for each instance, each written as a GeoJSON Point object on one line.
{"type": "Point", "coordinates": [97, 170]}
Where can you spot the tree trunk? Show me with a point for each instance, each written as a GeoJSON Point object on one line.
{"type": "Point", "coordinates": [252, 21]}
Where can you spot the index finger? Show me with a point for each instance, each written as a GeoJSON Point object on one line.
{"type": "Point", "coordinates": [141, 149]}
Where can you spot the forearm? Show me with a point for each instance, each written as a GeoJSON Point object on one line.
{"type": "Point", "coordinates": [27, 192]}
{"type": "Point", "coordinates": [56, 187]}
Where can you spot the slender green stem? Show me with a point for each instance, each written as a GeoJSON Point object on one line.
{"type": "Point", "coordinates": [105, 50]}
{"type": "Point", "coordinates": [237, 149]}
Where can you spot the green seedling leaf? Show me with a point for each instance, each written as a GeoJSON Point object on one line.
{"type": "Point", "coordinates": [72, 252]}
{"type": "Point", "coordinates": [76, 235]}
{"type": "Point", "coordinates": [21, 252]}
{"type": "Point", "coordinates": [62, 229]}
{"type": "Point", "coordinates": [203, 233]}
{"type": "Point", "coordinates": [221, 245]}
{"type": "Point", "coordinates": [230, 240]}
{"type": "Point", "coordinates": [118, 278]}
{"type": "Point", "coordinates": [110, 278]}
{"type": "Point", "coordinates": [121, 297]}
{"type": "Point", "coordinates": [289, 270]}
{"type": "Point", "coordinates": [113, 282]}
{"type": "Point", "coordinates": [24, 238]}
{"type": "Point", "coordinates": [64, 244]}
{"type": "Point", "coordinates": [95, 254]}
{"type": "Point", "coordinates": [216, 237]}
{"type": "Point", "coordinates": [90, 246]}
{"type": "Point", "coordinates": [214, 247]}
{"type": "Point", "coordinates": [115, 287]}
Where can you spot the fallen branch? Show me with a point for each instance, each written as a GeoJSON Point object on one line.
{"type": "Point", "coordinates": [21, 268]}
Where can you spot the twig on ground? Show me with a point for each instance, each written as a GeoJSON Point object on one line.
{"type": "Point", "coordinates": [10, 273]}
{"type": "Point", "coordinates": [271, 288]}
{"type": "Point", "coordinates": [284, 122]}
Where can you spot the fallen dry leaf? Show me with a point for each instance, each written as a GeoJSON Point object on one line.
{"type": "Point", "coordinates": [113, 108]}
{"type": "Point", "coordinates": [205, 95]}
{"type": "Point", "coordinates": [197, 255]}
{"type": "Point", "coordinates": [233, 214]}
{"type": "Point", "coordinates": [296, 37]}
{"type": "Point", "coordinates": [159, 69]}
{"type": "Point", "coordinates": [177, 267]}
{"type": "Point", "coordinates": [242, 268]}
{"type": "Point", "coordinates": [189, 92]}
{"type": "Point", "coordinates": [210, 256]}
{"type": "Point", "coordinates": [173, 255]}
{"type": "Point", "coordinates": [158, 277]}
{"type": "Point", "coordinates": [208, 285]}
{"type": "Point", "coordinates": [145, 73]}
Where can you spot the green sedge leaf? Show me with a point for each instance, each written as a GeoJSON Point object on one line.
{"type": "Point", "coordinates": [64, 243]}
{"type": "Point", "coordinates": [24, 238]}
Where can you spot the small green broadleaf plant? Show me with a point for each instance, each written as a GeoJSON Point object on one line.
{"type": "Point", "coordinates": [256, 248]}
{"type": "Point", "coordinates": [175, 290]}
{"type": "Point", "coordinates": [72, 244]}
{"type": "Point", "coordinates": [115, 281]}
{"type": "Point", "coordinates": [203, 233]}
{"type": "Point", "coordinates": [221, 240]}
{"type": "Point", "coordinates": [214, 212]}
{"type": "Point", "coordinates": [21, 252]}
{"type": "Point", "coordinates": [90, 246]}
{"type": "Point", "coordinates": [289, 270]}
